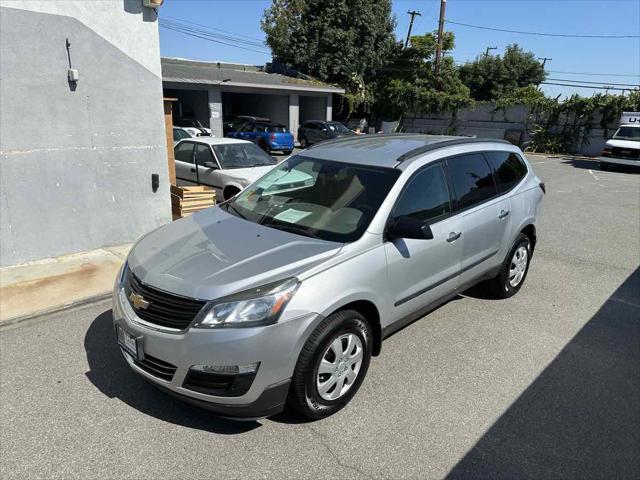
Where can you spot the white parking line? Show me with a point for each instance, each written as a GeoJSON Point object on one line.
{"type": "Point", "coordinates": [593, 175]}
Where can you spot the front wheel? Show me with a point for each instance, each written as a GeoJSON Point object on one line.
{"type": "Point", "coordinates": [304, 143]}
{"type": "Point", "coordinates": [332, 365]}
{"type": "Point", "coordinates": [514, 269]}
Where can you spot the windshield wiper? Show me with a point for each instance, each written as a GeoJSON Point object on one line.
{"type": "Point", "coordinates": [230, 206]}
{"type": "Point", "coordinates": [291, 229]}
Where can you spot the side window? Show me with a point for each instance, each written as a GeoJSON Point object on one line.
{"type": "Point", "coordinates": [184, 152]}
{"type": "Point", "coordinates": [426, 196]}
{"type": "Point", "coordinates": [509, 169]}
{"type": "Point", "coordinates": [203, 154]}
{"type": "Point", "coordinates": [472, 179]}
{"type": "Point", "coordinates": [247, 127]}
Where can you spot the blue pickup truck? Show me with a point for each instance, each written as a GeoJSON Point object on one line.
{"type": "Point", "coordinates": [266, 134]}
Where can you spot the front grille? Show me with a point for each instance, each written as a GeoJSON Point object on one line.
{"type": "Point", "coordinates": [164, 309]}
{"type": "Point", "coordinates": [156, 367]}
{"type": "Point", "coordinates": [633, 154]}
{"type": "Point", "coordinates": [219, 384]}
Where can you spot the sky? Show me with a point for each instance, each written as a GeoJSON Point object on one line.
{"type": "Point", "coordinates": [606, 61]}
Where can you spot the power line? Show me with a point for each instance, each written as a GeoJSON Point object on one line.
{"type": "Point", "coordinates": [212, 28]}
{"type": "Point", "coordinates": [593, 83]}
{"type": "Point", "coordinates": [213, 40]}
{"type": "Point", "coordinates": [564, 35]}
{"type": "Point", "coordinates": [637, 75]}
{"type": "Point", "coordinates": [603, 87]}
{"type": "Point", "coordinates": [211, 34]}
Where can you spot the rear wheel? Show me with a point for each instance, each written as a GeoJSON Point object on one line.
{"type": "Point", "coordinates": [514, 269]}
{"type": "Point", "coordinates": [332, 365]}
{"type": "Point", "coordinates": [304, 143]}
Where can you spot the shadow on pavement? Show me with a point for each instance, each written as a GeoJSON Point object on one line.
{"type": "Point", "coordinates": [595, 165]}
{"type": "Point", "coordinates": [109, 372]}
{"type": "Point", "coordinates": [581, 417]}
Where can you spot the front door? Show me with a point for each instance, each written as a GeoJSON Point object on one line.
{"type": "Point", "coordinates": [206, 174]}
{"type": "Point", "coordinates": [185, 168]}
{"type": "Point", "coordinates": [485, 216]}
{"type": "Point", "coordinates": [423, 271]}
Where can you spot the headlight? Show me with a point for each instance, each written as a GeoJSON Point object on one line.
{"type": "Point", "coordinates": [259, 306]}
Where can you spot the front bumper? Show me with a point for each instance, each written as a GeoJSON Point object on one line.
{"type": "Point", "coordinates": [276, 347]}
{"type": "Point", "coordinates": [620, 161]}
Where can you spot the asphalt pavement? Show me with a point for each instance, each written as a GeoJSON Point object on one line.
{"type": "Point", "coordinates": [543, 385]}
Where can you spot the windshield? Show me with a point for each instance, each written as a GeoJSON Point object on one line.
{"type": "Point", "coordinates": [631, 133]}
{"type": "Point", "coordinates": [323, 199]}
{"type": "Point", "coordinates": [338, 127]}
{"type": "Point", "coordinates": [241, 155]}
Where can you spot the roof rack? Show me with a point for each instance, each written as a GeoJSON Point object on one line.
{"type": "Point", "coordinates": [446, 143]}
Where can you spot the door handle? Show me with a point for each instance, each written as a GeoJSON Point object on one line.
{"type": "Point", "coordinates": [503, 213]}
{"type": "Point", "coordinates": [453, 236]}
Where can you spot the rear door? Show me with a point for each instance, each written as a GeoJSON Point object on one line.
{"type": "Point", "coordinates": [485, 215]}
{"type": "Point", "coordinates": [423, 271]}
{"type": "Point", "coordinates": [185, 168]}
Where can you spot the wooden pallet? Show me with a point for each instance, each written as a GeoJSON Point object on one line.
{"type": "Point", "coordinates": [187, 200]}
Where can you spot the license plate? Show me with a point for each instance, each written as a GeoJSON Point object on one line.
{"type": "Point", "coordinates": [127, 341]}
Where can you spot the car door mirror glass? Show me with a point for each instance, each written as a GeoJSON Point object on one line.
{"type": "Point", "coordinates": [407, 227]}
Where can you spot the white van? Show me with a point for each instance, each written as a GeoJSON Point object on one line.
{"type": "Point", "coordinates": [624, 147]}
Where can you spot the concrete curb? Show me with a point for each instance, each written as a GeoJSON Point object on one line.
{"type": "Point", "coordinates": [10, 323]}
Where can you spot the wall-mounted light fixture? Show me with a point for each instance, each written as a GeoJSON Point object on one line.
{"type": "Point", "coordinates": [152, 3]}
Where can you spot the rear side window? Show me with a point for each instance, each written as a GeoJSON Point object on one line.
{"type": "Point", "coordinates": [509, 169]}
{"type": "Point", "coordinates": [426, 196]}
{"type": "Point", "coordinates": [472, 179]}
{"type": "Point", "coordinates": [203, 154]}
{"type": "Point", "coordinates": [184, 152]}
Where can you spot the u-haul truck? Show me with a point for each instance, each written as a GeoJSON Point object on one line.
{"type": "Point", "coordinates": [624, 147]}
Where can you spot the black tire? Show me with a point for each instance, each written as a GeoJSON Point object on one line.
{"type": "Point", "coordinates": [303, 394]}
{"type": "Point", "coordinates": [500, 286]}
{"type": "Point", "coordinates": [287, 152]}
{"type": "Point", "coordinates": [304, 143]}
{"type": "Point", "coordinates": [265, 146]}
{"type": "Point", "coordinates": [230, 192]}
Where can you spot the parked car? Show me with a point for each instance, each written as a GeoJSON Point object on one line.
{"type": "Point", "coordinates": [194, 127]}
{"type": "Point", "coordinates": [227, 165]}
{"type": "Point", "coordinates": [235, 123]}
{"type": "Point", "coordinates": [358, 125]}
{"type": "Point", "coordinates": [282, 294]}
{"type": "Point", "coordinates": [266, 134]}
{"type": "Point", "coordinates": [624, 147]}
{"type": "Point", "coordinates": [180, 133]}
{"type": "Point", "coordinates": [315, 131]}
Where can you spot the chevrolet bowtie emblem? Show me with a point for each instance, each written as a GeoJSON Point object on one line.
{"type": "Point", "coordinates": [138, 301]}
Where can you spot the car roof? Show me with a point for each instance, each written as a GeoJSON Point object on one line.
{"type": "Point", "coordinates": [387, 150]}
{"type": "Point", "coordinates": [214, 140]}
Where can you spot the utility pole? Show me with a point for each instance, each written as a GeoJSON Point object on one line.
{"type": "Point", "coordinates": [486, 52]}
{"type": "Point", "coordinates": [443, 6]}
{"type": "Point", "coordinates": [544, 60]}
{"type": "Point", "coordinates": [413, 13]}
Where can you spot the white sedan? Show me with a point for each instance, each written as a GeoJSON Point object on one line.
{"type": "Point", "coordinates": [226, 164]}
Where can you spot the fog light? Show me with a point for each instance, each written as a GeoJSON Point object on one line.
{"type": "Point", "coordinates": [227, 369]}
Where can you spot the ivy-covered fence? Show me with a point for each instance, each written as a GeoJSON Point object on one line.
{"type": "Point", "coordinates": [541, 124]}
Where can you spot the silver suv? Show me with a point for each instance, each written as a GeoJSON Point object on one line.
{"type": "Point", "coordinates": [281, 295]}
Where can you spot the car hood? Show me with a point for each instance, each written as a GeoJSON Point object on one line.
{"type": "Point", "coordinates": [212, 254]}
{"type": "Point", "coordinates": [619, 143]}
{"type": "Point", "coordinates": [250, 174]}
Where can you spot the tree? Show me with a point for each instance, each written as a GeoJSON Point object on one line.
{"type": "Point", "coordinates": [408, 82]}
{"type": "Point", "coordinates": [336, 41]}
{"type": "Point", "coordinates": [489, 77]}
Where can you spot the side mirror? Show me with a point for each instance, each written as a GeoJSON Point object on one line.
{"type": "Point", "coordinates": [211, 165]}
{"type": "Point", "coordinates": [407, 227]}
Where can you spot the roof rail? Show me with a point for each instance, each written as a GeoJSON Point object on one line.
{"type": "Point", "coordinates": [446, 143]}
